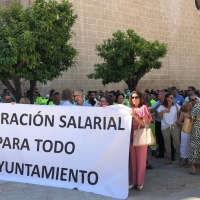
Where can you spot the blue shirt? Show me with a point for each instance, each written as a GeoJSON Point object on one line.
{"type": "Point", "coordinates": [156, 112]}
{"type": "Point", "coordinates": [84, 104]}
{"type": "Point", "coordinates": [179, 100]}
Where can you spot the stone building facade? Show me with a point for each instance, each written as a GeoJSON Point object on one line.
{"type": "Point", "coordinates": [175, 22]}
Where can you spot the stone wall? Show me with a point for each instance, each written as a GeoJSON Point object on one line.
{"type": "Point", "coordinates": [175, 22]}
{"type": "Point", "coordinates": [6, 3]}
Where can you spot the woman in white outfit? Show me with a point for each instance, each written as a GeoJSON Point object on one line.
{"type": "Point", "coordinates": [185, 137]}
{"type": "Point", "coordinates": [168, 112]}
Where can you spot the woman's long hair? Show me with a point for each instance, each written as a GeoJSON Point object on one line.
{"type": "Point", "coordinates": [185, 105]}
{"type": "Point", "coordinates": [142, 101]}
{"type": "Point", "coordinates": [165, 102]}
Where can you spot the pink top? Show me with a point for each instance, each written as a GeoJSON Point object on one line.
{"type": "Point", "coordinates": [141, 113]}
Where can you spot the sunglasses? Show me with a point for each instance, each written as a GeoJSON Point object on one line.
{"type": "Point", "coordinates": [136, 97]}
{"type": "Point", "coordinates": [194, 99]}
{"type": "Point", "coordinates": [8, 99]}
{"type": "Point", "coordinates": [171, 97]}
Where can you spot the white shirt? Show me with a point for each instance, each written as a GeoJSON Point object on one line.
{"type": "Point", "coordinates": [169, 119]}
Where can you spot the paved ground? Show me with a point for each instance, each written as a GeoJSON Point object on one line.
{"type": "Point", "coordinates": [162, 183]}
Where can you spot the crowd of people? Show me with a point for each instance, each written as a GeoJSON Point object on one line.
{"type": "Point", "coordinates": [166, 111]}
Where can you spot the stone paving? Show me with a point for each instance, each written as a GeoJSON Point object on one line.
{"type": "Point", "coordinates": [162, 183]}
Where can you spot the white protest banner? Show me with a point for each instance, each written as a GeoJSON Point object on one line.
{"type": "Point", "coordinates": [66, 146]}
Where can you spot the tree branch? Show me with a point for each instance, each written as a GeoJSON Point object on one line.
{"type": "Point", "coordinates": [9, 86]}
{"type": "Point", "coordinates": [21, 64]}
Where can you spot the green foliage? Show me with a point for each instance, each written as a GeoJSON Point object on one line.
{"type": "Point", "coordinates": [34, 41]}
{"type": "Point", "coordinates": [127, 57]}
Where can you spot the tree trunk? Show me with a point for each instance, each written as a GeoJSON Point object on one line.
{"type": "Point", "coordinates": [17, 91]}
{"type": "Point", "coordinates": [132, 83]}
{"type": "Point", "coordinates": [18, 88]}
{"type": "Point", "coordinates": [31, 92]}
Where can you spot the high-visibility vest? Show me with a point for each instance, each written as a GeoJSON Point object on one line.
{"type": "Point", "coordinates": [38, 101]}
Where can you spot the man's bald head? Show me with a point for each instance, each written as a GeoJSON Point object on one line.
{"type": "Point", "coordinates": [78, 97]}
{"type": "Point", "coordinates": [79, 93]}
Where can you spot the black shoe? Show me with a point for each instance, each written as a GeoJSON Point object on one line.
{"type": "Point", "coordinates": [174, 150]}
{"type": "Point", "coordinates": [159, 156]}
{"type": "Point", "coordinates": [173, 158]}
{"type": "Point", "coordinates": [148, 166]}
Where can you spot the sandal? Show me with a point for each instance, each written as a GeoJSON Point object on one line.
{"type": "Point", "coordinates": [132, 186]}
{"type": "Point", "coordinates": [181, 162]}
{"type": "Point", "coordinates": [139, 187]}
{"type": "Point", "coordinates": [168, 162]}
{"type": "Point", "coordinates": [192, 169]}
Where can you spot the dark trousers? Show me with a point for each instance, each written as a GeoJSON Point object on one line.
{"type": "Point", "coordinates": [172, 148]}
{"type": "Point", "coordinates": [160, 140]}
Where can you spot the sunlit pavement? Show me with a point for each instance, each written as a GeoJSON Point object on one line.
{"type": "Point", "coordinates": [170, 182]}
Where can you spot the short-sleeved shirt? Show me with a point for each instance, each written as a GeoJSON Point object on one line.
{"type": "Point", "coordinates": [141, 113]}
{"type": "Point", "coordinates": [170, 118]}
{"type": "Point", "coordinates": [178, 99]}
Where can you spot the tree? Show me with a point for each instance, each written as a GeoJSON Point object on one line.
{"type": "Point", "coordinates": [34, 43]}
{"type": "Point", "coordinates": [127, 57]}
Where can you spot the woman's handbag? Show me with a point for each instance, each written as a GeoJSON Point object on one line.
{"type": "Point", "coordinates": [143, 137]}
{"type": "Point", "coordinates": [187, 125]}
